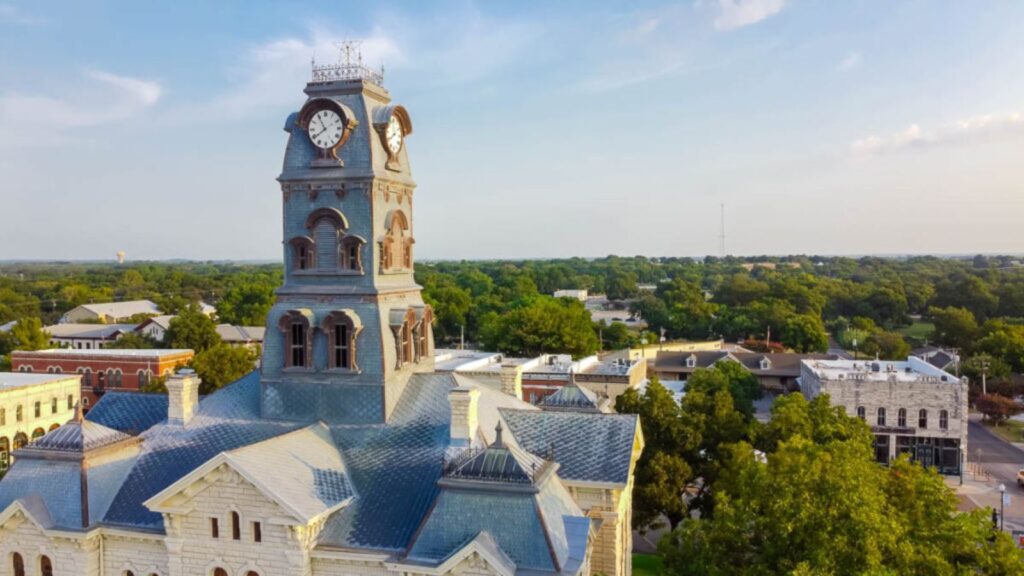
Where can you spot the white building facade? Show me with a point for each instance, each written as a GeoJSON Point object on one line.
{"type": "Point", "coordinates": [912, 407]}
{"type": "Point", "coordinates": [32, 405]}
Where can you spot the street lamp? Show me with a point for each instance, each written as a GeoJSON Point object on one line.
{"type": "Point", "coordinates": [1002, 500]}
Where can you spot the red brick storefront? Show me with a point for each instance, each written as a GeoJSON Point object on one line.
{"type": "Point", "coordinates": [103, 369]}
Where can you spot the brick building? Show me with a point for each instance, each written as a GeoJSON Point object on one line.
{"type": "Point", "coordinates": [104, 369]}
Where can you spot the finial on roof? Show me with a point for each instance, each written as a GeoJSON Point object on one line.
{"type": "Point", "coordinates": [497, 436]}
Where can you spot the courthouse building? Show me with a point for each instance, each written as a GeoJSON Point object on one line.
{"type": "Point", "coordinates": [347, 452]}
{"type": "Point", "coordinates": [913, 407]}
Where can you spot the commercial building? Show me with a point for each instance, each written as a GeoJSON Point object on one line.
{"type": "Point", "coordinates": [86, 336]}
{"type": "Point", "coordinates": [31, 405]}
{"type": "Point", "coordinates": [347, 452]}
{"type": "Point", "coordinates": [104, 369]}
{"type": "Point", "coordinates": [913, 407]}
{"type": "Point", "coordinates": [775, 372]}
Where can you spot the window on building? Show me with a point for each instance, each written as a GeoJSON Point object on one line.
{"type": "Point", "coordinates": [214, 528]}
{"type": "Point", "coordinates": [38, 409]}
{"type": "Point", "coordinates": [85, 400]}
{"type": "Point", "coordinates": [943, 419]}
{"type": "Point", "coordinates": [143, 377]}
{"type": "Point", "coordinates": [45, 566]}
{"type": "Point", "coordinates": [257, 532]}
{"type": "Point", "coordinates": [19, 564]}
{"type": "Point", "coordinates": [129, 573]}
{"type": "Point", "coordinates": [397, 244]}
{"type": "Point", "coordinates": [38, 433]}
{"type": "Point", "coordinates": [297, 344]}
{"type": "Point", "coordinates": [3, 416]}
{"type": "Point", "coordinates": [341, 328]}
{"type": "Point", "coordinates": [351, 253]}
{"type": "Point", "coordinates": [861, 413]}
{"type": "Point", "coordinates": [71, 401]}
{"type": "Point", "coordinates": [302, 254]}
{"type": "Point", "coordinates": [101, 379]}
{"type": "Point", "coordinates": [901, 418]}
{"type": "Point", "coordinates": [220, 572]}
{"type": "Point", "coordinates": [87, 377]}
{"type": "Point", "coordinates": [20, 440]}
{"type": "Point", "coordinates": [53, 405]}
{"type": "Point", "coordinates": [19, 413]}
{"type": "Point", "coordinates": [881, 417]}
{"type": "Point", "coordinates": [922, 418]}
{"type": "Point", "coordinates": [5, 454]}
{"type": "Point", "coordinates": [236, 526]}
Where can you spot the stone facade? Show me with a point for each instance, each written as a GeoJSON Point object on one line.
{"type": "Point", "coordinates": [912, 407]}
{"type": "Point", "coordinates": [31, 405]}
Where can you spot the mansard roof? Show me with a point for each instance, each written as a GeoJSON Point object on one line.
{"type": "Point", "coordinates": [391, 475]}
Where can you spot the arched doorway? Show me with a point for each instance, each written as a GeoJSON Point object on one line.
{"type": "Point", "coordinates": [20, 440]}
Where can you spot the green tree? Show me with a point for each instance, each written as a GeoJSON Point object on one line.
{"type": "Point", "coordinates": [886, 345]}
{"type": "Point", "coordinates": [819, 504]}
{"type": "Point", "coordinates": [614, 336]}
{"type": "Point", "coordinates": [246, 304]}
{"type": "Point", "coordinates": [222, 364]}
{"type": "Point", "coordinates": [542, 325]}
{"type": "Point", "coordinates": [954, 327]}
{"type": "Point", "coordinates": [805, 333]}
{"type": "Point", "coordinates": [133, 341]}
{"type": "Point", "coordinates": [192, 329]}
{"type": "Point", "coordinates": [28, 334]}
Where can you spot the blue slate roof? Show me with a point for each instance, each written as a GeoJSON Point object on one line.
{"type": "Point", "coordinates": [78, 437]}
{"type": "Point", "coordinates": [589, 447]}
{"type": "Point", "coordinates": [571, 397]}
{"type": "Point", "coordinates": [55, 486]}
{"type": "Point", "coordinates": [129, 412]}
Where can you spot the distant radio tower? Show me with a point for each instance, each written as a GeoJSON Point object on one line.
{"type": "Point", "coordinates": [721, 235]}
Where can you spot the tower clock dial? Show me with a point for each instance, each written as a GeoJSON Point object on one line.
{"type": "Point", "coordinates": [394, 135]}
{"type": "Point", "coordinates": [325, 129]}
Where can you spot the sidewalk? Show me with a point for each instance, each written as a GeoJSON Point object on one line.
{"type": "Point", "coordinates": [983, 492]}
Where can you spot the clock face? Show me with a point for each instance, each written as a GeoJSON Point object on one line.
{"type": "Point", "coordinates": [394, 135]}
{"type": "Point", "coordinates": [325, 128]}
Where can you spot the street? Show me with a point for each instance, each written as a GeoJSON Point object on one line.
{"type": "Point", "coordinates": [1002, 460]}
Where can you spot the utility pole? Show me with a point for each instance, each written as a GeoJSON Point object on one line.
{"type": "Point", "coordinates": [984, 374]}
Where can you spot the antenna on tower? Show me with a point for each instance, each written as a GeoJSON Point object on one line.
{"type": "Point", "coordinates": [721, 234]}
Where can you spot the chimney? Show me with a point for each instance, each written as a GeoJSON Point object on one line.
{"type": "Point", "coordinates": [464, 401]}
{"type": "Point", "coordinates": [182, 396]}
{"type": "Point", "coordinates": [512, 380]}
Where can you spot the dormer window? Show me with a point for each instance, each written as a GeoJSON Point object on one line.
{"type": "Point", "coordinates": [765, 364]}
{"type": "Point", "coordinates": [691, 361]}
{"type": "Point", "coordinates": [297, 336]}
{"type": "Point", "coordinates": [352, 253]}
{"type": "Point", "coordinates": [341, 328]}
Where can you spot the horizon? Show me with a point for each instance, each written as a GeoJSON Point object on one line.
{"type": "Point", "coordinates": [874, 129]}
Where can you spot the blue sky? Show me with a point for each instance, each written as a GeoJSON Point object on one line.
{"type": "Point", "coordinates": [542, 129]}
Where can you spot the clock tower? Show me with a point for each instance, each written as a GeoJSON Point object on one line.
{"type": "Point", "coordinates": [349, 326]}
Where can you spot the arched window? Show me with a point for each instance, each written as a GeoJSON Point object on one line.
{"type": "Point", "coordinates": [87, 377]}
{"type": "Point", "coordinates": [116, 378]}
{"type": "Point", "coordinates": [53, 405]}
{"type": "Point", "coordinates": [53, 427]}
{"type": "Point", "coordinates": [861, 413]}
{"type": "Point", "coordinates": [297, 338]}
{"type": "Point", "coordinates": [19, 564]}
{"type": "Point", "coordinates": [37, 409]}
{"type": "Point", "coordinates": [901, 418]}
{"type": "Point", "coordinates": [341, 328]}
{"type": "Point", "coordinates": [252, 573]}
{"type": "Point", "coordinates": [143, 378]}
{"type": "Point", "coordinates": [236, 526]}
{"type": "Point", "coordinates": [396, 251]}
{"type": "Point", "coordinates": [943, 419]}
{"type": "Point", "coordinates": [71, 401]}
{"type": "Point", "coordinates": [38, 433]}
{"type": "Point", "coordinates": [5, 454]}
{"type": "Point", "coordinates": [325, 238]}
{"type": "Point", "coordinates": [922, 418]}
{"type": "Point", "coordinates": [422, 334]}
{"type": "Point", "coordinates": [352, 253]}
{"type": "Point", "coordinates": [19, 413]}
{"type": "Point", "coordinates": [220, 572]}
{"type": "Point", "coordinates": [129, 573]}
{"type": "Point", "coordinates": [881, 417]}
{"type": "Point", "coordinates": [303, 257]}
{"type": "Point", "coordinates": [45, 567]}
{"type": "Point", "coordinates": [20, 440]}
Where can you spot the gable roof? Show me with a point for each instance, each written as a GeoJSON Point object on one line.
{"type": "Point", "coordinates": [91, 331]}
{"type": "Point", "coordinates": [779, 364]}
{"type": "Point", "coordinates": [229, 333]}
{"type": "Point", "coordinates": [300, 470]}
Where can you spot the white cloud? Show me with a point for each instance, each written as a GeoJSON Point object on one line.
{"type": "Point", "coordinates": [38, 119]}
{"type": "Point", "coordinates": [850, 61]}
{"type": "Point", "coordinates": [11, 14]}
{"type": "Point", "coordinates": [733, 14]}
{"type": "Point", "coordinates": [959, 131]}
